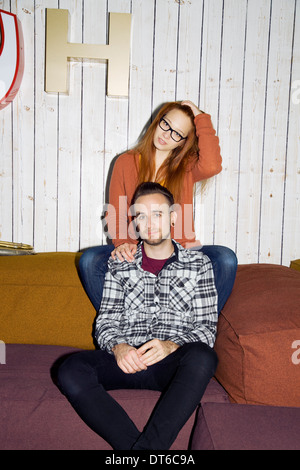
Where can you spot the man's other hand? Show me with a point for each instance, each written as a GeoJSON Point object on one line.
{"type": "Point", "coordinates": [128, 359]}
{"type": "Point", "coordinates": [155, 350]}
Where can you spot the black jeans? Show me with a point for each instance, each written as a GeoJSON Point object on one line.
{"type": "Point", "coordinates": [182, 377]}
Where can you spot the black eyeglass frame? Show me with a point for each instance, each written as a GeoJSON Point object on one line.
{"type": "Point", "coordinates": [170, 129]}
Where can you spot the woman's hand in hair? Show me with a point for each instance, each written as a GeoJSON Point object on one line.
{"type": "Point", "coordinates": [193, 107]}
{"type": "Point", "coordinates": [126, 251]}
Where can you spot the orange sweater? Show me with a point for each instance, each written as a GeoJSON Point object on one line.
{"type": "Point", "coordinates": [125, 178]}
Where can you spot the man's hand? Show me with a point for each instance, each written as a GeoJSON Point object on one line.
{"type": "Point", "coordinates": [128, 359]}
{"type": "Point", "coordinates": [156, 350]}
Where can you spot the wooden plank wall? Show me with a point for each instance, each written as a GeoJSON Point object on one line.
{"type": "Point", "coordinates": [239, 60]}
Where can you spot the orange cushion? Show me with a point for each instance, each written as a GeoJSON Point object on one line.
{"type": "Point", "coordinates": [256, 337]}
{"type": "Point", "coordinates": [295, 264]}
{"type": "Point", "coordinates": [43, 301]}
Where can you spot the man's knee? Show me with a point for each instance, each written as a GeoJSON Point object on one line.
{"type": "Point", "coordinates": [201, 358]}
{"type": "Point", "coordinates": [70, 375]}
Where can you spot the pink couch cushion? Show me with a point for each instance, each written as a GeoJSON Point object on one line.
{"type": "Point", "coordinates": [246, 427]}
{"type": "Point", "coordinates": [257, 333]}
{"type": "Point", "coordinates": [35, 415]}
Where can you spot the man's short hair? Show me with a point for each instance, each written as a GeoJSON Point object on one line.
{"type": "Point", "coordinates": [144, 189]}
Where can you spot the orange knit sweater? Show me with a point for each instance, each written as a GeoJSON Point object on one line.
{"type": "Point", "coordinates": [125, 178]}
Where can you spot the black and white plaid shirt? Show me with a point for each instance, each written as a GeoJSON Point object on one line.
{"type": "Point", "coordinates": [179, 304]}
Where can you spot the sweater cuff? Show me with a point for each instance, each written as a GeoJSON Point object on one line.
{"type": "Point", "coordinates": [202, 118]}
{"type": "Point", "coordinates": [120, 242]}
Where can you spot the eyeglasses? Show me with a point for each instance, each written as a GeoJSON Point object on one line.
{"type": "Point", "coordinates": [165, 126]}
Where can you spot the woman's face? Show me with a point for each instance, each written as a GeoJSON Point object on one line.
{"type": "Point", "coordinates": [180, 124]}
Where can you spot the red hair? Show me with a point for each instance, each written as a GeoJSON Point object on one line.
{"type": "Point", "coordinates": [172, 171]}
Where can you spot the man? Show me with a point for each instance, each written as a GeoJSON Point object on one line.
{"type": "Point", "coordinates": [155, 328]}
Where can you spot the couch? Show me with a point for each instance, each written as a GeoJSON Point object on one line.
{"type": "Point", "coordinates": [252, 402]}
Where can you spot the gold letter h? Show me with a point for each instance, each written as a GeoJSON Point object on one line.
{"type": "Point", "coordinates": [59, 50]}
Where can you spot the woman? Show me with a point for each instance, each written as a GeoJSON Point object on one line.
{"type": "Point", "coordinates": [178, 149]}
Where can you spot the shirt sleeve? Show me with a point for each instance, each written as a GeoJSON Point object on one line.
{"type": "Point", "coordinates": [209, 162]}
{"type": "Point", "coordinates": [107, 329]}
{"type": "Point", "coordinates": [118, 222]}
{"type": "Point", "coordinates": [204, 309]}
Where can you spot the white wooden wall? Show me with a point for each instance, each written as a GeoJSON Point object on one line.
{"type": "Point", "coordinates": [239, 60]}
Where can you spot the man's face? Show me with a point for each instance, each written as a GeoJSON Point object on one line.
{"type": "Point", "coordinates": [153, 218]}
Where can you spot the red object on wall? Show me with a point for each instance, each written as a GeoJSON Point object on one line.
{"type": "Point", "coordinates": [11, 57]}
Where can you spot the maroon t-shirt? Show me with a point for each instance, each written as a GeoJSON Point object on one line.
{"type": "Point", "coordinates": [152, 265]}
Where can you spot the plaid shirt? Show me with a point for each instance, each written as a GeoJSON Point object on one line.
{"type": "Point", "coordinates": [180, 304]}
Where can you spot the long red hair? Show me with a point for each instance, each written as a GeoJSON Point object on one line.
{"type": "Point", "coordinates": [172, 171]}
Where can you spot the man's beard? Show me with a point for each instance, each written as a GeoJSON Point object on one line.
{"type": "Point", "coordinates": [156, 241]}
{"type": "Point", "coordinates": [153, 242]}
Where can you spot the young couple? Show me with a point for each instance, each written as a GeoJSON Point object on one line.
{"type": "Point", "coordinates": [157, 320]}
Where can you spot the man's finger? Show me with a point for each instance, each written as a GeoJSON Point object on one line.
{"type": "Point", "coordinates": [133, 361]}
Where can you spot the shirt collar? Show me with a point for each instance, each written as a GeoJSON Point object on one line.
{"type": "Point", "coordinates": [139, 254]}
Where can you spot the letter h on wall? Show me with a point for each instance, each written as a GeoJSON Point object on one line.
{"type": "Point", "coordinates": [59, 51]}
